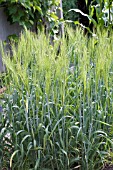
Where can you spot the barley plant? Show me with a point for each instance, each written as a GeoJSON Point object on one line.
{"type": "Point", "coordinates": [57, 112]}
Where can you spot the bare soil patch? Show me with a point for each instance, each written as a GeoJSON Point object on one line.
{"type": "Point", "coordinates": [108, 167]}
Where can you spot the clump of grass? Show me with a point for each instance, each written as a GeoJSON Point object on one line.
{"type": "Point", "coordinates": [58, 109]}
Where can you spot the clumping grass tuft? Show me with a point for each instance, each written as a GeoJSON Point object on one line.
{"type": "Point", "coordinates": [57, 112]}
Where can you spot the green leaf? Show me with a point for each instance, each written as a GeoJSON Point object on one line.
{"type": "Point", "coordinates": [53, 16]}
{"type": "Point", "coordinates": [38, 9]}
{"type": "Point", "coordinates": [12, 156]}
{"type": "Point", "coordinates": [27, 136]}
{"type": "Point", "coordinates": [88, 16]}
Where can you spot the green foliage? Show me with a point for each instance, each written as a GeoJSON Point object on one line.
{"type": "Point", "coordinates": [58, 111]}
{"type": "Point", "coordinates": [67, 5]}
{"type": "Point", "coordinates": [32, 13]}
{"type": "Point", "coordinates": [103, 11]}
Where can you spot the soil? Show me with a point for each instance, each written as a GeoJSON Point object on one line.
{"type": "Point", "coordinates": [107, 167]}
{"type": "Point", "coordinates": [2, 90]}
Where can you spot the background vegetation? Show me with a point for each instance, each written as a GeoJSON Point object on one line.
{"type": "Point", "coordinates": [47, 13]}
{"type": "Point", "coordinates": [67, 5]}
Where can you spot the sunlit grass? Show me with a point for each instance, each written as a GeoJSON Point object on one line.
{"type": "Point", "coordinates": [58, 109]}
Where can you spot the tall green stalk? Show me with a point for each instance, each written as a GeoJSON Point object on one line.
{"type": "Point", "coordinates": [58, 110]}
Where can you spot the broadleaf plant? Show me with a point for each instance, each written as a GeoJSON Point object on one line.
{"type": "Point", "coordinates": [33, 14]}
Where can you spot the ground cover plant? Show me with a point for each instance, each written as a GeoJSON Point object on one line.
{"type": "Point", "coordinates": [57, 112]}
